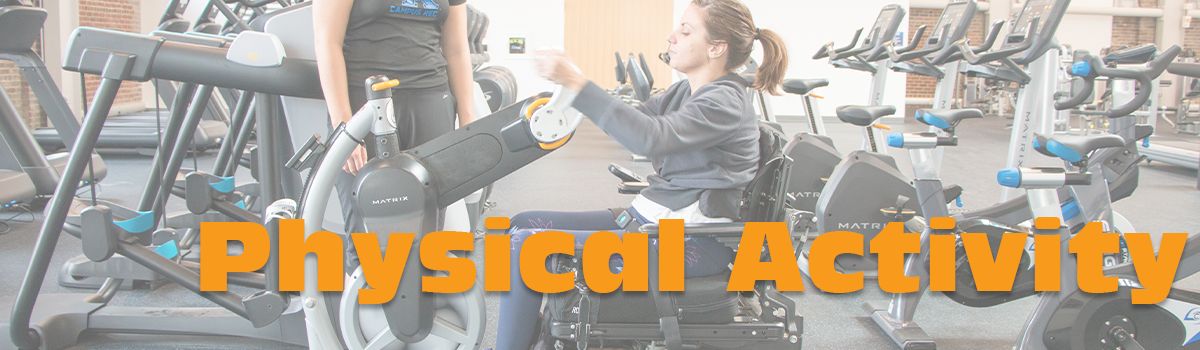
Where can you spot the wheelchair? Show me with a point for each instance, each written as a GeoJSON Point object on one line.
{"type": "Point", "coordinates": [704, 315]}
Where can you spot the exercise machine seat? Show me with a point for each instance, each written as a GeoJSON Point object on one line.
{"type": "Point", "coordinates": [863, 115]}
{"type": "Point", "coordinates": [803, 86]}
{"type": "Point", "coordinates": [1073, 148]}
{"type": "Point", "coordinates": [946, 118]}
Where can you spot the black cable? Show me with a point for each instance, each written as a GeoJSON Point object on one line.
{"type": "Point", "coordinates": [24, 209]}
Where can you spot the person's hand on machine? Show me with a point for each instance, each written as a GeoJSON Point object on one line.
{"type": "Point", "coordinates": [357, 159]}
{"type": "Point", "coordinates": [556, 67]}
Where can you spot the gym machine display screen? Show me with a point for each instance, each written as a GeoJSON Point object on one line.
{"type": "Point", "coordinates": [951, 15]}
{"type": "Point", "coordinates": [887, 23]}
{"type": "Point", "coordinates": [1033, 9]}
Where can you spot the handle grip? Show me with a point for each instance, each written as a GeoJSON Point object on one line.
{"type": "Point", "coordinates": [986, 57]}
{"type": "Point", "coordinates": [828, 49]}
{"type": "Point", "coordinates": [1143, 75]}
{"type": "Point", "coordinates": [882, 50]}
{"type": "Point", "coordinates": [901, 57]}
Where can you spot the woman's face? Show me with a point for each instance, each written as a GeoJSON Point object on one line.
{"type": "Point", "coordinates": [689, 47]}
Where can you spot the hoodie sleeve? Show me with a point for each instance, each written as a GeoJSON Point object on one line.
{"type": "Point", "coordinates": [710, 117]}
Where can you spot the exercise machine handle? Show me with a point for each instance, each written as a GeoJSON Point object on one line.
{"type": "Point", "coordinates": [953, 52]}
{"type": "Point", "coordinates": [1143, 75]}
{"type": "Point", "coordinates": [901, 57]}
{"type": "Point", "coordinates": [828, 50]}
{"type": "Point", "coordinates": [249, 3]}
{"type": "Point", "coordinates": [1080, 69]}
{"type": "Point", "coordinates": [843, 54]}
{"type": "Point", "coordinates": [986, 57]}
{"type": "Point", "coordinates": [1185, 69]}
{"type": "Point", "coordinates": [881, 51]}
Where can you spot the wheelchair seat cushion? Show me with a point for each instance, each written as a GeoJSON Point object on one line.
{"type": "Point", "coordinates": [703, 301]}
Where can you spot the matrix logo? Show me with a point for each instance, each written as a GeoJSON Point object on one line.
{"type": "Point", "coordinates": [389, 200]}
{"type": "Point", "coordinates": [806, 194]}
{"type": "Point", "coordinates": [1192, 315]}
{"type": "Point", "coordinates": [860, 226]}
{"type": "Point", "coordinates": [426, 8]}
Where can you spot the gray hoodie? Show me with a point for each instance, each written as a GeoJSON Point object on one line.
{"type": "Point", "coordinates": [703, 146]}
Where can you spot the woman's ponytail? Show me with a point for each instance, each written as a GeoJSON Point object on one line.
{"type": "Point", "coordinates": [729, 21]}
{"type": "Point", "coordinates": [775, 61]}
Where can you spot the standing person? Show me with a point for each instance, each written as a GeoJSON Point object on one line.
{"type": "Point", "coordinates": [701, 136]}
{"type": "Point", "coordinates": [422, 43]}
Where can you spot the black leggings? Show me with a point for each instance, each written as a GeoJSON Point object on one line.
{"type": "Point", "coordinates": [421, 115]}
{"type": "Point", "coordinates": [519, 306]}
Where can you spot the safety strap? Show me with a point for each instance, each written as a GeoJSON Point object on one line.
{"type": "Point", "coordinates": [668, 320]}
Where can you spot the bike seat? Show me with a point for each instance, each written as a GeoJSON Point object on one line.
{"type": "Point", "coordinates": [803, 86]}
{"type": "Point", "coordinates": [863, 115]}
{"type": "Point", "coordinates": [946, 118]}
{"type": "Point", "coordinates": [1073, 148]}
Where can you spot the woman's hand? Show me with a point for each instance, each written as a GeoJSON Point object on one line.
{"type": "Point", "coordinates": [357, 159]}
{"type": "Point", "coordinates": [556, 67]}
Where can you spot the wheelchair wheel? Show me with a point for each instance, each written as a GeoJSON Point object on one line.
{"type": "Point", "coordinates": [459, 324]}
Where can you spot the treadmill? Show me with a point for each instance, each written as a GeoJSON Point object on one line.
{"type": "Point", "coordinates": [16, 187]}
{"type": "Point", "coordinates": [22, 25]}
{"type": "Point", "coordinates": [141, 130]}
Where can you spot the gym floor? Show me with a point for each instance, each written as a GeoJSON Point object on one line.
{"type": "Point", "coordinates": [576, 178]}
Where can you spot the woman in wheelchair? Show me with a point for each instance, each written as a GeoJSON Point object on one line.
{"type": "Point", "coordinates": [701, 136]}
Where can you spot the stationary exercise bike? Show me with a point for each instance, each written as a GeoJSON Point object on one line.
{"type": "Point", "coordinates": [813, 148]}
{"type": "Point", "coordinates": [867, 190]}
{"type": "Point", "coordinates": [1086, 198]}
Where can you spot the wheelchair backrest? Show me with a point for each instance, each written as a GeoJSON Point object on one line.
{"type": "Point", "coordinates": [763, 200]}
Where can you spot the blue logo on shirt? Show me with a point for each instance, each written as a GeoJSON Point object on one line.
{"type": "Point", "coordinates": [427, 8]}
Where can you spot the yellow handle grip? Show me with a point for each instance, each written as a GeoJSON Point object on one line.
{"type": "Point", "coordinates": [881, 126]}
{"type": "Point", "coordinates": [385, 85]}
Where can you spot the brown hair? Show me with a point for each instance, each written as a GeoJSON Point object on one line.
{"type": "Point", "coordinates": [729, 21]}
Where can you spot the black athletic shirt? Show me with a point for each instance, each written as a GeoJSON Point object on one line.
{"type": "Point", "coordinates": [398, 38]}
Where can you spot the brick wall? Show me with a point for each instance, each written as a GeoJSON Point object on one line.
{"type": "Point", "coordinates": [921, 86]}
{"type": "Point", "coordinates": [119, 15]}
{"type": "Point", "coordinates": [1134, 31]}
{"type": "Point", "coordinates": [1191, 37]}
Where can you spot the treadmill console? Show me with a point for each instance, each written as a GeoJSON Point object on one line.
{"type": "Point", "coordinates": [959, 16]}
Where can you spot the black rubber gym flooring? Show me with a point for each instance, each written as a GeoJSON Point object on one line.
{"type": "Point", "coordinates": [576, 178]}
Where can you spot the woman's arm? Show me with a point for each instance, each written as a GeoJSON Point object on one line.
{"type": "Point", "coordinates": [458, 62]}
{"type": "Point", "coordinates": [329, 32]}
{"type": "Point", "coordinates": [713, 115]}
